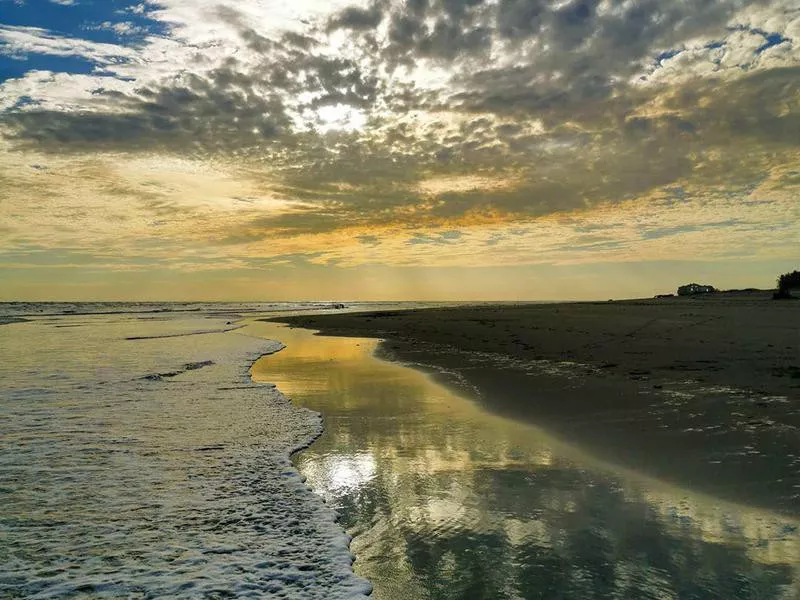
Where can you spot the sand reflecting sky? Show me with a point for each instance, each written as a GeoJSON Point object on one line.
{"type": "Point", "coordinates": [447, 501]}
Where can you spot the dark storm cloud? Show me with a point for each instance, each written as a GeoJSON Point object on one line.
{"type": "Point", "coordinates": [202, 116]}
{"type": "Point", "coordinates": [443, 31]}
{"type": "Point", "coordinates": [760, 108]}
{"type": "Point", "coordinates": [357, 19]}
{"type": "Point", "coordinates": [520, 18]}
{"type": "Point", "coordinates": [581, 55]}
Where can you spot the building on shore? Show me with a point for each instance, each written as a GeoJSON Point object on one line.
{"type": "Point", "coordinates": [690, 289]}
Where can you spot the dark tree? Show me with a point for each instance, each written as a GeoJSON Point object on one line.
{"type": "Point", "coordinates": [786, 283]}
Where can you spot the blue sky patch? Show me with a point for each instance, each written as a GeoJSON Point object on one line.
{"type": "Point", "coordinates": [117, 22]}
{"type": "Point", "coordinates": [11, 68]}
{"type": "Point", "coordinates": [85, 19]}
{"type": "Point", "coordinates": [772, 39]}
{"type": "Point", "coordinates": [667, 54]}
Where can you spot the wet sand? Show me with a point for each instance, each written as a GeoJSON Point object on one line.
{"type": "Point", "coordinates": [10, 320]}
{"type": "Point", "coordinates": [700, 392]}
{"type": "Point", "coordinates": [446, 500]}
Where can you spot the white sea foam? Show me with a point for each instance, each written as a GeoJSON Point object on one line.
{"type": "Point", "coordinates": [147, 468]}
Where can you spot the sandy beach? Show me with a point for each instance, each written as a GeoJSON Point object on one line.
{"type": "Point", "coordinates": [702, 392]}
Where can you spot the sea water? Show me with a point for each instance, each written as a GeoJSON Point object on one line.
{"type": "Point", "coordinates": [139, 460]}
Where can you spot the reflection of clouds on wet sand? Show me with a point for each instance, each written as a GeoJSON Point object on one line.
{"type": "Point", "coordinates": [447, 501]}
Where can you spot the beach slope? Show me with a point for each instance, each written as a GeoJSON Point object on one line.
{"type": "Point", "coordinates": [703, 392]}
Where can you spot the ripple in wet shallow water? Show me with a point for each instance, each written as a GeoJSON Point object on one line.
{"type": "Point", "coordinates": [154, 468]}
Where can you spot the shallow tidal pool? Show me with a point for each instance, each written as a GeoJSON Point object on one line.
{"type": "Point", "coordinates": [445, 500]}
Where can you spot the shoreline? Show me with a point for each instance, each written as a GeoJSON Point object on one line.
{"type": "Point", "coordinates": [656, 386]}
{"type": "Point", "coordinates": [10, 320]}
{"type": "Point", "coordinates": [366, 586]}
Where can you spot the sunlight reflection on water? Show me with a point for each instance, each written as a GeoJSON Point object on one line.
{"type": "Point", "coordinates": [448, 501]}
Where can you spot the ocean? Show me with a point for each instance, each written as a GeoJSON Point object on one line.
{"type": "Point", "coordinates": [138, 460]}
{"type": "Point", "coordinates": [181, 451]}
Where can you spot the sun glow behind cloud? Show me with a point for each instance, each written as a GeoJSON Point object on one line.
{"type": "Point", "coordinates": [380, 137]}
{"type": "Point", "coordinates": [340, 117]}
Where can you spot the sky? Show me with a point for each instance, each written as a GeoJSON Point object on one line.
{"type": "Point", "coordinates": [396, 150]}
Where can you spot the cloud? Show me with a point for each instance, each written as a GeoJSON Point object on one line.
{"type": "Point", "coordinates": [121, 28]}
{"type": "Point", "coordinates": [356, 18]}
{"type": "Point", "coordinates": [201, 113]}
{"type": "Point", "coordinates": [18, 42]}
{"type": "Point", "coordinates": [339, 135]}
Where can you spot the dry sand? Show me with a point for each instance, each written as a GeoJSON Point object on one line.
{"type": "Point", "coordinates": [703, 392]}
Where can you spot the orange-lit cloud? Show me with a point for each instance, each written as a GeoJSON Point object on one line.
{"type": "Point", "coordinates": [453, 135]}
